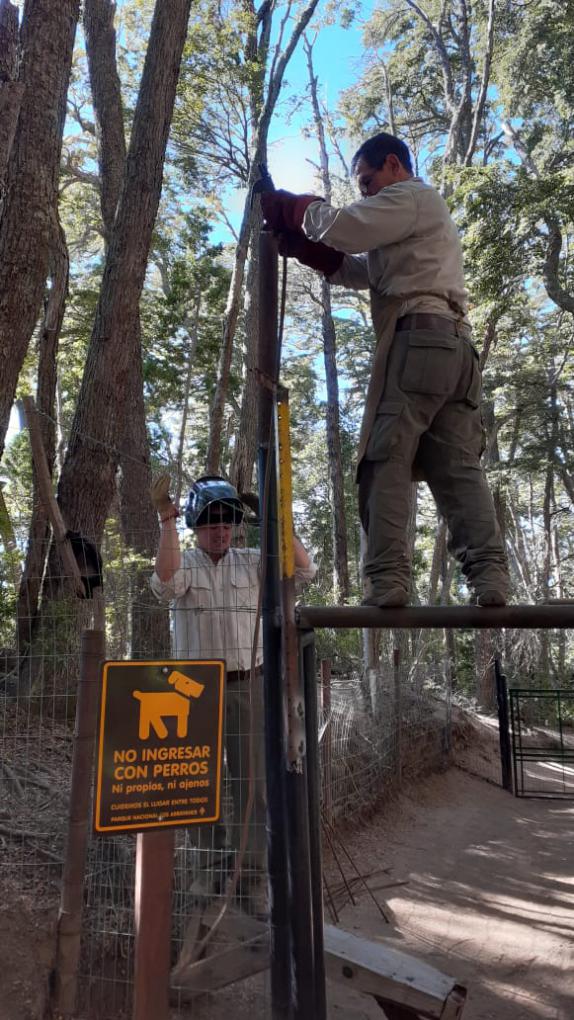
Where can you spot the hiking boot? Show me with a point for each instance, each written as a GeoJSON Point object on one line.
{"type": "Point", "coordinates": [392, 598]}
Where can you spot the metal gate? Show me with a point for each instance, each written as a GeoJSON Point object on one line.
{"type": "Point", "coordinates": [542, 742]}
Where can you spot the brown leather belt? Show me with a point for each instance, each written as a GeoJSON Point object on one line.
{"type": "Point", "coordinates": [237, 676]}
{"type": "Point", "coordinates": [426, 320]}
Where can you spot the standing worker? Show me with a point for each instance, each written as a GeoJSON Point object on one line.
{"type": "Point", "coordinates": [422, 412]}
{"type": "Point", "coordinates": [215, 591]}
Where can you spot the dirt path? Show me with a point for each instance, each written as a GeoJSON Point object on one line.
{"type": "Point", "coordinates": [490, 897]}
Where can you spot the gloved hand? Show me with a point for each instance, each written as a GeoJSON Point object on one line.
{"type": "Point", "coordinates": [161, 498]}
{"type": "Point", "coordinates": [294, 244]}
{"type": "Point", "coordinates": [284, 211]}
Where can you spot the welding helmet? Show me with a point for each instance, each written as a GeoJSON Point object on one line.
{"type": "Point", "coordinates": [212, 500]}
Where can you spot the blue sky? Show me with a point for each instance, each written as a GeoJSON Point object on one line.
{"type": "Point", "coordinates": [337, 57]}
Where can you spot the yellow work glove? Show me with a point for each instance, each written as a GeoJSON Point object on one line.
{"type": "Point", "coordinates": [161, 498]}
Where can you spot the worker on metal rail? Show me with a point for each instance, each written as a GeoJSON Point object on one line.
{"type": "Point", "coordinates": [422, 415]}
{"type": "Point", "coordinates": [215, 591]}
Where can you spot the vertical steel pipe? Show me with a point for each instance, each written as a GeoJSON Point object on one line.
{"type": "Point", "coordinates": [268, 370]}
{"type": "Point", "coordinates": [313, 770]}
{"type": "Point", "coordinates": [503, 726]}
{"type": "Point", "coordinates": [298, 838]}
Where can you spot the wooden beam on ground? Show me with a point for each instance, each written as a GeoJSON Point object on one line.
{"type": "Point", "coordinates": [240, 949]}
{"type": "Point", "coordinates": [403, 986]}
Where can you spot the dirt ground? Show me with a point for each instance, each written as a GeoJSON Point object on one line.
{"type": "Point", "coordinates": [489, 899]}
{"type": "Point", "coordinates": [490, 896]}
{"type": "Point", "coordinates": [486, 895]}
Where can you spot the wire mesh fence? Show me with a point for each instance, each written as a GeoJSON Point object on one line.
{"type": "Point", "coordinates": [380, 725]}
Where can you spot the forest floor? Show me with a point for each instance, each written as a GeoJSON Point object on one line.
{"type": "Point", "coordinates": [478, 883]}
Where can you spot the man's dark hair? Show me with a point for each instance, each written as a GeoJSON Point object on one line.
{"type": "Point", "coordinates": [376, 149]}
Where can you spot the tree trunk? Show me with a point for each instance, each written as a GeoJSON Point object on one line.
{"type": "Point", "coordinates": [257, 52]}
{"type": "Point", "coordinates": [340, 551]}
{"type": "Point", "coordinates": [149, 624]}
{"type": "Point", "coordinates": [107, 99]}
{"type": "Point", "coordinates": [46, 40]}
{"type": "Point", "coordinates": [213, 456]}
{"type": "Point", "coordinates": [87, 482]}
{"type": "Point", "coordinates": [11, 90]}
{"type": "Point", "coordinates": [245, 449]}
{"type": "Point", "coordinates": [39, 533]}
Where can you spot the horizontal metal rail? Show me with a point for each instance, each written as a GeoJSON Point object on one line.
{"type": "Point", "coordinates": [539, 617]}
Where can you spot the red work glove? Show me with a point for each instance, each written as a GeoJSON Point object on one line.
{"type": "Point", "coordinates": [285, 211]}
{"type": "Point", "coordinates": [315, 254]}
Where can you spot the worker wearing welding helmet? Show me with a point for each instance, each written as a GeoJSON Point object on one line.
{"type": "Point", "coordinates": [215, 592]}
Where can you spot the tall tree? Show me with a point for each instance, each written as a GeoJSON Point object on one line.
{"type": "Point", "coordinates": [149, 626]}
{"type": "Point", "coordinates": [87, 482]}
{"type": "Point", "coordinates": [28, 226]}
{"type": "Point", "coordinates": [340, 559]}
{"type": "Point", "coordinates": [236, 147]}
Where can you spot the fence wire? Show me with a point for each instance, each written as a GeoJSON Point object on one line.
{"type": "Point", "coordinates": [379, 727]}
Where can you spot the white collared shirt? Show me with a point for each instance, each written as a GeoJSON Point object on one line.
{"type": "Point", "coordinates": [215, 605]}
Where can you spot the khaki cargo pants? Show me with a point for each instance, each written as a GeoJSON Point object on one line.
{"type": "Point", "coordinates": [429, 418]}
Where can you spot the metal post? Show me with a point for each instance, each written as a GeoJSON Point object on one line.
{"type": "Point", "coordinates": [307, 646]}
{"type": "Point", "coordinates": [268, 367]}
{"type": "Point", "coordinates": [154, 869]}
{"type": "Point", "coordinates": [398, 714]}
{"type": "Point", "coordinates": [298, 836]}
{"type": "Point", "coordinates": [328, 739]}
{"type": "Point", "coordinates": [503, 726]}
{"type": "Point", "coordinates": [72, 899]}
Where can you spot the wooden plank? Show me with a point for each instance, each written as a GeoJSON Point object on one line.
{"type": "Point", "coordinates": [227, 964]}
{"type": "Point", "coordinates": [403, 986]}
{"type": "Point", "coordinates": [378, 969]}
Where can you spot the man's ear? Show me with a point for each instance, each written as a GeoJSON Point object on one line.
{"type": "Point", "coordinates": [395, 164]}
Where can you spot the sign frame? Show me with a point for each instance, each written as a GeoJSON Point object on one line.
{"type": "Point", "coordinates": [104, 749]}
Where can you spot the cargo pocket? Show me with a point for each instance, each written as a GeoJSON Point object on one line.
{"type": "Point", "coordinates": [432, 363]}
{"type": "Point", "coordinates": [474, 392]}
{"type": "Point", "coordinates": [384, 436]}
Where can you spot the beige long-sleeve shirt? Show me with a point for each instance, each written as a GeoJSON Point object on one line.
{"type": "Point", "coordinates": [397, 242]}
{"type": "Point", "coordinates": [215, 605]}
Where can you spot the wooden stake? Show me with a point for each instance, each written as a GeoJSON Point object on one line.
{"type": "Point", "coordinates": [72, 900]}
{"type": "Point", "coordinates": [154, 866]}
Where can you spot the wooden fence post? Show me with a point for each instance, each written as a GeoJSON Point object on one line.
{"type": "Point", "coordinates": [154, 869]}
{"type": "Point", "coordinates": [72, 899]}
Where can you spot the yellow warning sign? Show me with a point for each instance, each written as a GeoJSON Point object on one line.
{"type": "Point", "coordinates": [160, 744]}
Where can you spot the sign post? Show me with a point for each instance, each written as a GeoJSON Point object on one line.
{"type": "Point", "coordinates": [160, 751]}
